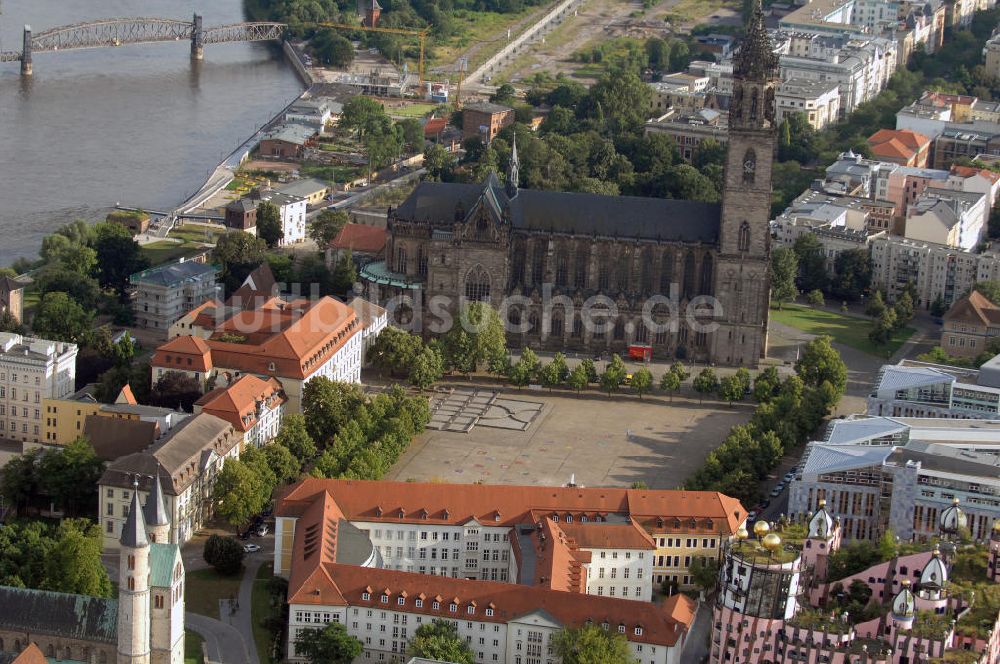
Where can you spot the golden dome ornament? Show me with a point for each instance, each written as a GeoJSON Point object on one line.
{"type": "Point", "coordinates": [761, 528]}
{"type": "Point", "coordinates": [771, 542]}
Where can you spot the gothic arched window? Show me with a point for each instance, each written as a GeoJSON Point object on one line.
{"type": "Point", "coordinates": [422, 261]}
{"type": "Point", "coordinates": [754, 101]}
{"type": "Point", "coordinates": [562, 268]}
{"type": "Point", "coordinates": [557, 326]}
{"type": "Point", "coordinates": [538, 264]}
{"type": "Point", "coordinates": [743, 241]}
{"type": "Point", "coordinates": [477, 284]}
{"type": "Point", "coordinates": [706, 276]}
{"type": "Point", "coordinates": [517, 271]}
{"type": "Point", "coordinates": [749, 166]}
{"type": "Point", "coordinates": [580, 276]}
{"type": "Point", "coordinates": [689, 275]}
{"type": "Point", "coordinates": [401, 260]}
{"type": "Point", "coordinates": [666, 272]}
{"type": "Point", "coordinates": [646, 278]}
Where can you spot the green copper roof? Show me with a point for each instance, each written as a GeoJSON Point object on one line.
{"type": "Point", "coordinates": [378, 272]}
{"type": "Point", "coordinates": [162, 558]}
{"type": "Point", "coordinates": [59, 614]}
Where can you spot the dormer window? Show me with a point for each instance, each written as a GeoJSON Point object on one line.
{"type": "Point", "coordinates": [470, 610]}
{"type": "Point", "coordinates": [621, 629]}
{"type": "Point", "coordinates": [638, 631]}
{"type": "Point", "coordinates": [270, 366]}
{"type": "Point", "coordinates": [401, 601]}
{"type": "Point", "coordinates": [436, 606]}
{"type": "Point", "coordinates": [420, 603]}
{"type": "Point", "coordinates": [384, 599]}
{"type": "Point", "coordinates": [489, 612]}
{"type": "Point", "coordinates": [366, 596]}
{"type": "Point", "coordinates": [453, 607]}
{"type": "Point", "coordinates": [604, 626]}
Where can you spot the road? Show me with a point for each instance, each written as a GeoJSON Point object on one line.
{"type": "Point", "coordinates": [696, 646]}
{"type": "Point", "coordinates": [224, 643]}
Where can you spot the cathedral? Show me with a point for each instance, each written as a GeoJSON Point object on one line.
{"type": "Point", "coordinates": [144, 625]}
{"type": "Point", "coordinates": [591, 273]}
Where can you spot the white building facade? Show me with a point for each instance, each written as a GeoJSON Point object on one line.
{"type": "Point", "coordinates": [32, 369]}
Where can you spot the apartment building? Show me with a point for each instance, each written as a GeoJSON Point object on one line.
{"type": "Point", "coordinates": [818, 101]}
{"type": "Point", "coordinates": [423, 527]}
{"type": "Point", "coordinates": [291, 341]}
{"type": "Point", "coordinates": [165, 293]}
{"type": "Point", "coordinates": [690, 129]}
{"type": "Point", "coordinates": [292, 213]}
{"type": "Point", "coordinates": [66, 417]}
{"type": "Point", "coordinates": [32, 370]}
{"type": "Point", "coordinates": [948, 217]}
{"type": "Point", "coordinates": [187, 462]}
{"type": "Point", "coordinates": [900, 146]}
{"type": "Point", "coordinates": [878, 474]}
{"type": "Point", "coordinates": [337, 541]}
{"type": "Point", "coordinates": [969, 325]}
{"type": "Point", "coordinates": [254, 408]}
{"type": "Point", "coordinates": [991, 56]}
{"type": "Point", "coordinates": [929, 390]}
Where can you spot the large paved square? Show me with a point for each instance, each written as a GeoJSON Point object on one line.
{"type": "Point", "coordinates": [600, 440]}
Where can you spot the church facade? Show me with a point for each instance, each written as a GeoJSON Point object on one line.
{"type": "Point", "coordinates": [591, 273]}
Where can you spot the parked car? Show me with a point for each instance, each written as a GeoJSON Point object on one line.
{"type": "Point", "coordinates": [752, 516]}
{"type": "Point", "coordinates": [763, 504]}
{"type": "Point", "coordinates": [789, 476]}
{"type": "Point", "coordinates": [261, 531]}
{"type": "Point", "coordinates": [251, 548]}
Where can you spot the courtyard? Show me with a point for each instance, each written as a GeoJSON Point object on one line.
{"type": "Point", "coordinates": [597, 440]}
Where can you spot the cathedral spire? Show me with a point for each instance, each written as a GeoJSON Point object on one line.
{"type": "Point", "coordinates": [756, 59]}
{"type": "Point", "coordinates": [513, 175]}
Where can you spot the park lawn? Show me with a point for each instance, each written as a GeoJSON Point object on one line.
{"type": "Point", "coordinates": [694, 11]}
{"type": "Point", "coordinates": [192, 647]}
{"type": "Point", "coordinates": [260, 608]}
{"type": "Point", "coordinates": [847, 330]}
{"type": "Point", "coordinates": [205, 587]}
{"type": "Point", "coordinates": [194, 234]}
{"type": "Point", "coordinates": [163, 251]}
{"type": "Point", "coordinates": [411, 110]}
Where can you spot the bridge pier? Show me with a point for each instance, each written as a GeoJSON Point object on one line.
{"type": "Point", "coordinates": [26, 52]}
{"type": "Point", "coordinates": [197, 39]}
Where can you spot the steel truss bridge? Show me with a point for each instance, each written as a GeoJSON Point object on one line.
{"type": "Point", "coordinates": [108, 33]}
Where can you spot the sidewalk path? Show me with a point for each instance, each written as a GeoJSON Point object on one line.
{"type": "Point", "coordinates": [241, 620]}
{"type": "Point", "coordinates": [224, 643]}
{"type": "Point", "coordinates": [696, 646]}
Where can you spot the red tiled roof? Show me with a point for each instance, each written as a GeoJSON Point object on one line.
{"type": "Point", "coordinates": [971, 171]}
{"type": "Point", "coordinates": [659, 510]}
{"type": "Point", "coordinates": [435, 126]}
{"type": "Point", "coordinates": [974, 308]}
{"type": "Point", "coordinates": [603, 535]}
{"type": "Point", "coordinates": [360, 238]}
{"type": "Point", "coordinates": [125, 396]}
{"type": "Point", "coordinates": [558, 560]}
{"type": "Point", "coordinates": [289, 342]}
{"type": "Point", "coordinates": [30, 655]}
{"type": "Point", "coordinates": [331, 584]}
{"type": "Point", "coordinates": [897, 143]}
{"type": "Point", "coordinates": [237, 403]}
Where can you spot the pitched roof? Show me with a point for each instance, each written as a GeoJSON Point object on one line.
{"type": "Point", "coordinates": [175, 273]}
{"type": "Point", "coordinates": [457, 504]}
{"type": "Point", "coordinates": [441, 203]}
{"type": "Point", "coordinates": [30, 655]}
{"type": "Point", "coordinates": [134, 530]}
{"type": "Point", "coordinates": [125, 396]}
{"type": "Point", "coordinates": [605, 535]}
{"type": "Point", "coordinates": [115, 437]}
{"type": "Point", "coordinates": [972, 171]}
{"type": "Point", "coordinates": [366, 311]}
{"type": "Point", "coordinates": [183, 353]}
{"type": "Point", "coordinates": [154, 511]}
{"type": "Point", "coordinates": [237, 403]}
{"type": "Point", "coordinates": [434, 126]}
{"type": "Point", "coordinates": [487, 107]}
{"type": "Point", "coordinates": [360, 238]}
{"type": "Point", "coordinates": [974, 308]}
{"type": "Point", "coordinates": [59, 614]}
{"type": "Point", "coordinates": [258, 288]}
{"type": "Point", "coordinates": [824, 459]}
{"type": "Point", "coordinates": [163, 558]}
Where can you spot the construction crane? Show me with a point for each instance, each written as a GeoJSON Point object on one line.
{"type": "Point", "coordinates": [422, 34]}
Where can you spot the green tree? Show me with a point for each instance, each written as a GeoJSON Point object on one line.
{"type": "Point", "coordinates": [731, 389]}
{"type": "Point", "coordinates": [345, 275]}
{"type": "Point", "coordinates": [578, 378]}
{"type": "Point", "coordinates": [326, 225]}
{"type": "Point", "coordinates": [592, 645]}
{"type": "Point", "coordinates": [766, 385]}
{"type": "Point", "coordinates": [904, 309]}
{"type": "Point", "coordinates": [815, 298]}
{"type": "Point", "coordinates": [269, 223]}
{"type": "Point", "coordinates": [440, 163]}
{"type": "Point", "coordinates": [876, 305]}
{"type": "Point", "coordinates": [821, 362]}
{"type": "Point", "coordinates": [118, 256]}
{"type": "Point", "coordinates": [705, 382]}
{"type": "Point", "coordinates": [883, 327]}
{"type": "Point", "coordinates": [784, 269]}
{"type": "Point", "coordinates": [327, 645]}
{"type": "Point", "coordinates": [642, 380]}
{"type": "Point", "coordinates": [332, 49]}
{"type": "Point", "coordinates": [938, 307]}
{"type": "Point", "coordinates": [175, 389]}
{"type": "Point", "coordinates": [295, 438]}
{"type": "Point", "coordinates": [487, 339]}
{"type": "Point", "coordinates": [413, 134]}
{"type": "Point", "coordinates": [73, 564]}
{"type": "Point", "coordinates": [69, 476]}
{"type": "Point", "coordinates": [704, 572]}
{"type": "Point", "coordinates": [60, 319]}
{"type": "Point", "coordinates": [525, 369]}
{"type": "Point", "coordinates": [439, 640]}
{"type": "Point", "coordinates": [670, 383]}
{"type": "Point", "coordinates": [394, 350]}
{"type": "Point", "coordinates": [362, 115]}
{"type": "Point", "coordinates": [709, 151]}
{"type": "Point", "coordinates": [10, 323]}
{"type": "Point", "coordinates": [550, 375]}
{"type": "Point", "coordinates": [989, 289]}
{"type": "Point", "coordinates": [622, 101]}
{"type": "Point", "coordinates": [427, 368]}
{"type": "Point", "coordinates": [614, 375]}
{"type": "Point", "coordinates": [238, 254]}
{"type": "Point", "coordinates": [239, 493]}
{"type": "Point", "coordinates": [852, 274]}
{"type": "Point", "coordinates": [590, 368]}
{"type": "Point", "coordinates": [328, 406]}
{"type": "Point", "coordinates": [812, 262]}
{"type": "Point", "coordinates": [281, 461]}
{"type": "Point", "coordinates": [224, 554]}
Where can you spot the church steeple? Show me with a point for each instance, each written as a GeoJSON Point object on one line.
{"type": "Point", "coordinates": [756, 59]}
{"type": "Point", "coordinates": [513, 174]}
{"type": "Point", "coordinates": [133, 586]}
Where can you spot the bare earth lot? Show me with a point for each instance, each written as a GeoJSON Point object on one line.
{"type": "Point", "coordinates": [585, 436]}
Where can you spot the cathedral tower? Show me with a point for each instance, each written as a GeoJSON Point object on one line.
{"type": "Point", "coordinates": [155, 514]}
{"type": "Point", "coordinates": [133, 587]}
{"type": "Point", "coordinates": [742, 274]}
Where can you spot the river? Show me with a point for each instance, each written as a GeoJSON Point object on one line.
{"type": "Point", "coordinates": [141, 125]}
